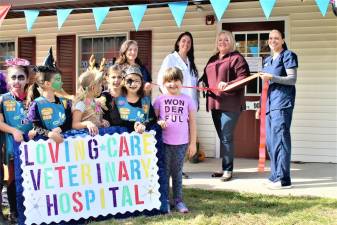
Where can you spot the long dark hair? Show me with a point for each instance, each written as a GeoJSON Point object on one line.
{"type": "Point", "coordinates": [190, 53]}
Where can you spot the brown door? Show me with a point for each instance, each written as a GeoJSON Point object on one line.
{"type": "Point", "coordinates": [144, 40]}
{"type": "Point", "coordinates": [252, 42]}
{"type": "Point", "coordinates": [66, 61]}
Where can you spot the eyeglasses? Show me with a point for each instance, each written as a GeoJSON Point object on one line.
{"type": "Point", "coordinates": [130, 81]}
{"type": "Point", "coordinates": [20, 77]}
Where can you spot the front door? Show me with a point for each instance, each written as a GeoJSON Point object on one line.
{"type": "Point", "coordinates": [252, 42]}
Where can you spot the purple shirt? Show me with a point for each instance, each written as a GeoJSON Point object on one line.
{"type": "Point", "coordinates": [175, 111]}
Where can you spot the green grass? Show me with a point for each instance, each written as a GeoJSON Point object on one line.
{"type": "Point", "coordinates": [224, 207]}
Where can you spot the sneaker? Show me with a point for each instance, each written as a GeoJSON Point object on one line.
{"type": "Point", "coordinates": [267, 182]}
{"type": "Point", "coordinates": [278, 185]}
{"type": "Point", "coordinates": [181, 207]}
{"type": "Point", "coordinates": [185, 176]}
{"type": "Point", "coordinates": [227, 175]}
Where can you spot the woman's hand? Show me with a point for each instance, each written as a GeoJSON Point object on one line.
{"type": "Point", "coordinates": [57, 137]}
{"type": "Point", "coordinates": [258, 113]}
{"type": "Point", "coordinates": [93, 130]}
{"type": "Point", "coordinates": [17, 135]}
{"type": "Point", "coordinates": [266, 76]}
{"type": "Point", "coordinates": [31, 134]}
{"type": "Point", "coordinates": [192, 150]}
{"type": "Point", "coordinates": [222, 85]}
{"type": "Point", "coordinates": [139, 127]}
{"type": "Point", "coordinates": [162, 124]}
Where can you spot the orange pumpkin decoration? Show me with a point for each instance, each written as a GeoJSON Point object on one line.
{"type": "Point", "coordinates": [201, 155]}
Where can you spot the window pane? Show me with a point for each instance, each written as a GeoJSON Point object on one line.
{"type": "Point", "coordinates": [3, 48]}
{"type": "Point", "coordinates": [98, 45]}
{"type": "Point", "coordinates": [108, 44]}
{"type": "Point", "coordinates": [264, 47]}
{"type": "Point", "coordinates": [86, 45]}
{"type": "Point", "coordinates": [252, 44]}
{"type": "Point", "coordinates": [240, 43]}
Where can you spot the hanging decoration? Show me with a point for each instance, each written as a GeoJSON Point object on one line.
{"type": "Point", "coordinates": [219, 7]}
{"type": "Point", "coordinates": [99, 15]}
{"type": "Point", "coordinates": [31, 16]}
{"type": "Point", "coordinates": [62, 15]}
{"type": "Point", "coordinates": [323, 6]}
{"type": "Point", "coordinates": [267, 7]}
{"type": "Point", "coordinates": [137, 13]}
{"type": "Point", "coordinates": [178, 10]}
{"type": "Point", "coordinates": [3, 12]}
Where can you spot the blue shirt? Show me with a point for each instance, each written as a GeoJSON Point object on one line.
{"type": "Point", "coordinates": [280, 96]}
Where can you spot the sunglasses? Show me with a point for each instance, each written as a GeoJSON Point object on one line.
{"type": "Point", "coordinates": [20, 77]}
{"type": "Point", "coordinates": [130, 81]}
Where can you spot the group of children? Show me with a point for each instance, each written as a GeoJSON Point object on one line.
{"type": "Point", "coordinates": [40, 111]}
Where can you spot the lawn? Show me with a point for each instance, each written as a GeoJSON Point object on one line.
{"type": "Point", "coordinates": [224, 207]}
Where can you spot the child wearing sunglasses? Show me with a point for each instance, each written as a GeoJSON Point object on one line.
{"type": "Point", "coordinates": [13, 122]}
{"type": "Point", "coordinates": [135, 109]}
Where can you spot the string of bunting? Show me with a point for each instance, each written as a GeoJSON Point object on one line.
{"type": "Point", "coordinates": [137, 12]}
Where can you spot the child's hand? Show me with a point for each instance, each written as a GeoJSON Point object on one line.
{"type": "Point", "coordinates": [31, 134]}
{"type": "Point", "coordinates": [192, 150]}
{"type": "Point", "coordinates": [162, 124]}
{"type": "Point", "coordinates": [93, 130]}
{"type": "Point", "coordinates": [17, 135]}
{"type": "Point", "coordinates": [57, 130]}
{"type": "Point", "coordinates": [139, 127]}
{"type": "Point", "coordinates": [57, 137]}
{"type": "Point", "coordinates": [147, 87]}
{"type": "Point", "coordinates": [105, 123]}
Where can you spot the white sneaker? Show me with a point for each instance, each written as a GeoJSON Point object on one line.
{"type": "Point", "coordinates": [278, 185]}
{"type": "Point", "coordinates": [227, 175]}
{"type": "Point", "coordinates": [267, 182]}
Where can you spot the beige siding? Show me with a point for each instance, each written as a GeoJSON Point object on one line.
{"type": "Point", "coordinates": [312, 36]}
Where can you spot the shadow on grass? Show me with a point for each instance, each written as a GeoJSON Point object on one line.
{"type": "Point", "coordinates": [225, 204]}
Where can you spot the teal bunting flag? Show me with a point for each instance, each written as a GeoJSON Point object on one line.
{"type": "Point", "coordinates": [31, 16]}
{"type": "Point", "coordinates": [178, 10]}
{"type": "Point", "coordinates": [219, 7]}
{"type": "Point", "coordinates": [62, 15]}
{"type": "Point", "coordinates": [137, 13]}
{"type": "Point", "coordinates": [323, 6]}
{"type": "Point", "coordinates": [267, 7]}
{"type": "Point", "coordinates": [99, 14]}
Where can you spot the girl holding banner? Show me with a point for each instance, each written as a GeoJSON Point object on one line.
{"type": "Point", "coordinates": [87, 111]}
{"type": "Point", "coordinates": [50, 114]}
{"type": "Point", "coordinates": [280, 73]}
{"type": "Point", "coordinates": [226, 67]}
{"type": "Point", "coordinates": [13, 121]}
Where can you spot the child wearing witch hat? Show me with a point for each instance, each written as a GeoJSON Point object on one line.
{"type": "Point", "coordinates": [50, 115]}
{"type": "Point", "coordinates": [13, 121]}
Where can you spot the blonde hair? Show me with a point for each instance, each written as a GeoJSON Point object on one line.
{"type": "Point", "coordinates": [173, 73]}
{"type": "Point", "coordinates": [86, 80]}
{"type": "Point", "coordinates": [230, 37]}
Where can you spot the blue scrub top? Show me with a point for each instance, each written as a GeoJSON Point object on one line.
{"type": "Point", "coordinates": [280, 96]}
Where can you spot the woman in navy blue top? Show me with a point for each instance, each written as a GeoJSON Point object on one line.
{"type": "Point", "coordinates": [280, 69]}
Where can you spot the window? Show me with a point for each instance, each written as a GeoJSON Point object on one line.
{"type": "Point", "coordinates": [7, 51]}
{"type": "Point", "coordinates": [254, 47]}
{"type": "Point", "coordinates": [107, 47]}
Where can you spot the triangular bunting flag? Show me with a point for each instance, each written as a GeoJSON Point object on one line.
{"type": "Point", "coordinates": [267, 7]}
{"type": "Point", "coordinates": [62, 15]}
{"type": "Point", "coordinates": [31, 16]}
{"type": "Point", "coordinates": [3, 12]}
{"type": "Point", "coordinates": [323, 6]}
{"type": "Point", "coordinates": [99, 14]}
{"type": "Point", "coordinates": [219, 7]}
{"type": "Point", "coordinates": [178, 10]}
{"type": "Point", "coordinates": [137, 13]}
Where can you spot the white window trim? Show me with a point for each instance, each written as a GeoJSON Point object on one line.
{"type": "Point", "coordinates": [252, 19]}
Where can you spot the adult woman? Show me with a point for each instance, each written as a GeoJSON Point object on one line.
{"type": "Point", "coordinates": [227, 66]}
{"type": "Point", "coordinates": [128, 56]}
{"type": "Point", "coordinates": [183, 58]}
{"type": "Point", "coordinates": [280, 70]}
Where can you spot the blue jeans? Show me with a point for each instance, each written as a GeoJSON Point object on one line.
{"type": "Point", "coordinates": [174, 160]}
{"type": "Point", "coordinates": [225, 123]}
{"type": "Point", "coordinates": [279, 144]}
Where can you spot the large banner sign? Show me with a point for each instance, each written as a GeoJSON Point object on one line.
{"type": "Point", "coordinates": [89, 176]}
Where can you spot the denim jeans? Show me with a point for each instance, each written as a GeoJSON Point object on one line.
{"type": "Point", "coordinates": [279, 144]}
{"type": "Point", "coordinates": [174, 160]}
{"type": "Point", "coordinates": [225, 123]}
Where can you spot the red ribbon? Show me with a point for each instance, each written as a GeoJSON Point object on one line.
{"type": "Point", "coordinates": [262, 145]}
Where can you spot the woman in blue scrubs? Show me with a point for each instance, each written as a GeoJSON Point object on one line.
{"type": "Point", "coordinates": [280, 69]}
